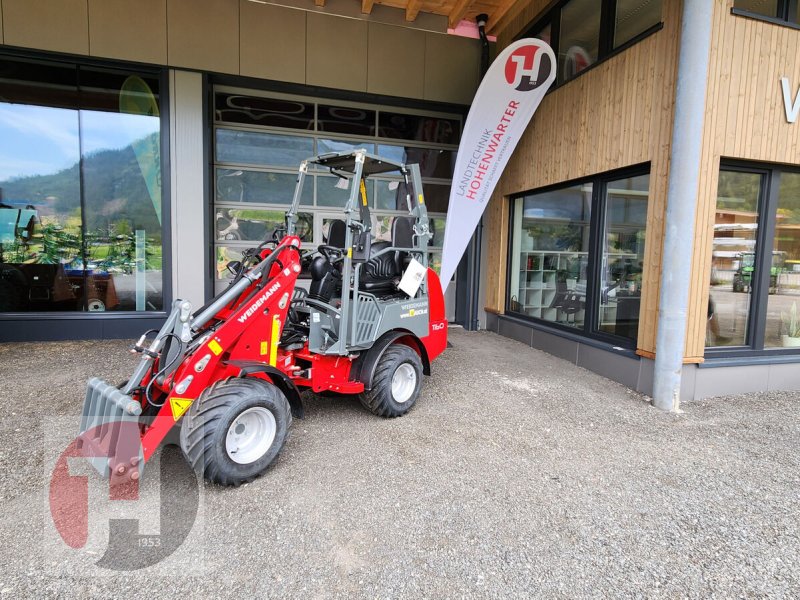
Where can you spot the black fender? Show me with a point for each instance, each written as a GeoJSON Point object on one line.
{"type": "Point", "coordinates": [364, 366]}
{"type": "Point", "coordinates": [280, 379]}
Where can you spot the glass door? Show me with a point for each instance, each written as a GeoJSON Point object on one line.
{"type": "Point", "coordinates": [622, 239]}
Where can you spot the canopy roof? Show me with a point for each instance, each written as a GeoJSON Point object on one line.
{"type": "Point", "coordinates": [345, 162]}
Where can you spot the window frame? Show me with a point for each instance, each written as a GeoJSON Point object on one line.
{"type": "Point", "coordinates": [597, 227]}
{"type": "Point", "coordinates": [15, 321]}
{"type": "Point", "coordinates": [371, 142]}
{"type": "Point", "coordinates": [605, 49]}
{"type": "Point", "coordinates": [785, 9]}
{"type": "Point", "coordinates": [765, 240]}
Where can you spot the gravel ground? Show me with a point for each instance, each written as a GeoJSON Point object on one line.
{"type": "Point", "coordinates": [517, 474]}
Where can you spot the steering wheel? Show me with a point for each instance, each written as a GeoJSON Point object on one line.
{"type": "Point", "coordinates": [332, 253]}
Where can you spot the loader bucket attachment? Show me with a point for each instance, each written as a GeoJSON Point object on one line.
{"type": "Point", "coordinates": [109, 434]}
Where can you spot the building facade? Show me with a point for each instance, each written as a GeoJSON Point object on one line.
{"type": "Point", "coordinates": [575, 233]}
{"type": "Point", "coordinates": [143, 145]}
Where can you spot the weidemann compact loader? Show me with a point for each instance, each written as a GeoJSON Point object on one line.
{"type": "Point", "coordinates": [229, 375]}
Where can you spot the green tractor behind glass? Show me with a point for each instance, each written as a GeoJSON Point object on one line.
{"type": "Point", "coordinates": [743, 277]}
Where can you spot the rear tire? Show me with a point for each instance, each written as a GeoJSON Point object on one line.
{"type": "Point", "coordinates": [396, 384]}
{"type": "Point", "coordinates": [235, 430]}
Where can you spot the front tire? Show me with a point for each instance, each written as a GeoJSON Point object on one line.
{"type": "Point", "coordinates": [396, 384]}
{"type": "Point", "coordinates": [235, 430]}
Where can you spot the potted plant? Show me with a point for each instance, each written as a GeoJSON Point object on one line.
{"type": "Point", "coordinates": [791, 339]}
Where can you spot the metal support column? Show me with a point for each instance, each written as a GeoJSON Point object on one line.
{"type": "Point", "coordinates": [683, 184]}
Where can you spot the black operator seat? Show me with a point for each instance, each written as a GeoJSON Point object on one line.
{"type": "Point", "coordinates": [326, 278]}
{"type": "Point", "coordinates": [403, 237]}
{"type": "Point", "coordinates": [382, 273]}
{"type": "Point", "coordinates": [337, 232]}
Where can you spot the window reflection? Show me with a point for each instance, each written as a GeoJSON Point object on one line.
{"type": "Point", "coordinates": [333, 191]}
{"type": "Point", "coordinates": [623, 256]}
{"type": "Point", "coordinates": [266, 112]}
{"type": "Point", "coordinates": [420, 128]}
{"type": "Point", "coordinates": [433, 163]}
{"type": "Point", "coordinates": [242, 185]}
{"type": "Point", "coordinates": [579, 37]}
{"type": "Point", "coordinates": [550, 253]}
{"type": "Point", "coordinates": [247, 224]}
{"type": "Point", "coordinates": [80, 231]}
{"type": "Point", "coordinates": [247, 171]}
{"type": "Point", "coordinates": [783, 305]}
{"type": "Point", "coordinates": [382, 229]}
{"type": "Point", "coordinates": [733, 258]}
{"type": "Point", "coordinates": [573, 29]}
{"type": "Point", "coordinates": [544, 33]}
{"type": "Point", "coordinates": [326, 145]}
{"type": "Point", "coordinates": [40, 209]}
{"type": "Point", "coordinates": [634, 17]}
{"type": "Point", "coordinates": [248, 147]}
{"type": "Point", "coordinates": [768, 8]}
{"type": "Point", "coordinates": [346, 120]}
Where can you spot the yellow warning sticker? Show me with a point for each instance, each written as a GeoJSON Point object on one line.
{"type": "Point", "coordinates": [214, 346]}
{"type": "Point", "coordinates": [349, 253]}
{"type": "Point", "coordinates": [179, 406]}
{"type": "Point", "coordinates": [274, 340]}
{"type": "Point", "coordinates": [421, 199]}
{"type": "Point", "coordinates": [264, 348]}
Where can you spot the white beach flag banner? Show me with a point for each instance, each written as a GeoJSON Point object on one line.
{"type": "Point", "coordinates": [509, 94]}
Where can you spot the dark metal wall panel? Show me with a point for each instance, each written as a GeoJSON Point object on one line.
{"type": "Point", "coordinates": [46, 329]}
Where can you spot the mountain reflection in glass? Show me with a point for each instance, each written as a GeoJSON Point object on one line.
{"type": "Point", "coordinates": [80, 174]}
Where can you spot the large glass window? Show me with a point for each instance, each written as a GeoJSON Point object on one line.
{"type": "Point", "coordinates": [775, 10]}
{"type": "Point", "coordinates": [259, 141]}
{"type": "Point", "coordinates": [254, 148]}
{"type": "Point", "coordinates": [768, 8]}
{"type": "Point", "coordinates": [733, 258]}
{"type": "Point", "coordinates": [579, 37]}
{"type": "Point", "coordinates": [557, 277]}
{"type": "Point", "coordinates": [620, 288]}
{"type": "Point", "coordinates": [346, 120]}
{"type": "Point", "coordinates": [550, 254]}
{"type": "Point", "coordinates": [755, 266]}
{"type": "Point", "coordinates": [783, 302]}
{"type": "Point", "coordinates": [633, 17]}
{"type": "Point", "coordinates": [80, 188]}
{"type": "Point", "coordinates": [583, 32]}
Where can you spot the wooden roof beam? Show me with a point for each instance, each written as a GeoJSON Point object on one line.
{"type": "Point", "coordinates": [366, 6]}
{"type": "Point", "coordinates": [412, 9]}
{"type": "Point", "coordinates": [505, 12]}
{"type": "Point", "coordinates": [459, 11]}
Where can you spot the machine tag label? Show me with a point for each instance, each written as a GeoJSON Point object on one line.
{"type": "Point", "coordinates": [179, 406]}
{"type": "Point", "coordinates": [214, 346]}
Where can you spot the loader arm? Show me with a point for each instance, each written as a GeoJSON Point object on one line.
{"type": "Point", "coordinates": [250, 330]}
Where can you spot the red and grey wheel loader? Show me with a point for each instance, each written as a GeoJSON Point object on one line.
{"type": "Point", "coordinates": [228, 376]}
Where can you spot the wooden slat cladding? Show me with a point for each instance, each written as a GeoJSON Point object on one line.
{"type": "Point", "coordinates": [745, 120]}
{"type": "Point", "coordinates": [517, 20]}
{"type": "Point", "coordinates": [616, 115]}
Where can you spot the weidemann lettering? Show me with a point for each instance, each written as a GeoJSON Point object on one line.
{"type": "Point", "coordinates": [257, 304]}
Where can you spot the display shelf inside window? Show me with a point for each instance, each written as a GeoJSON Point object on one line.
{"type": "Point", "coordinates": [545, 278]}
